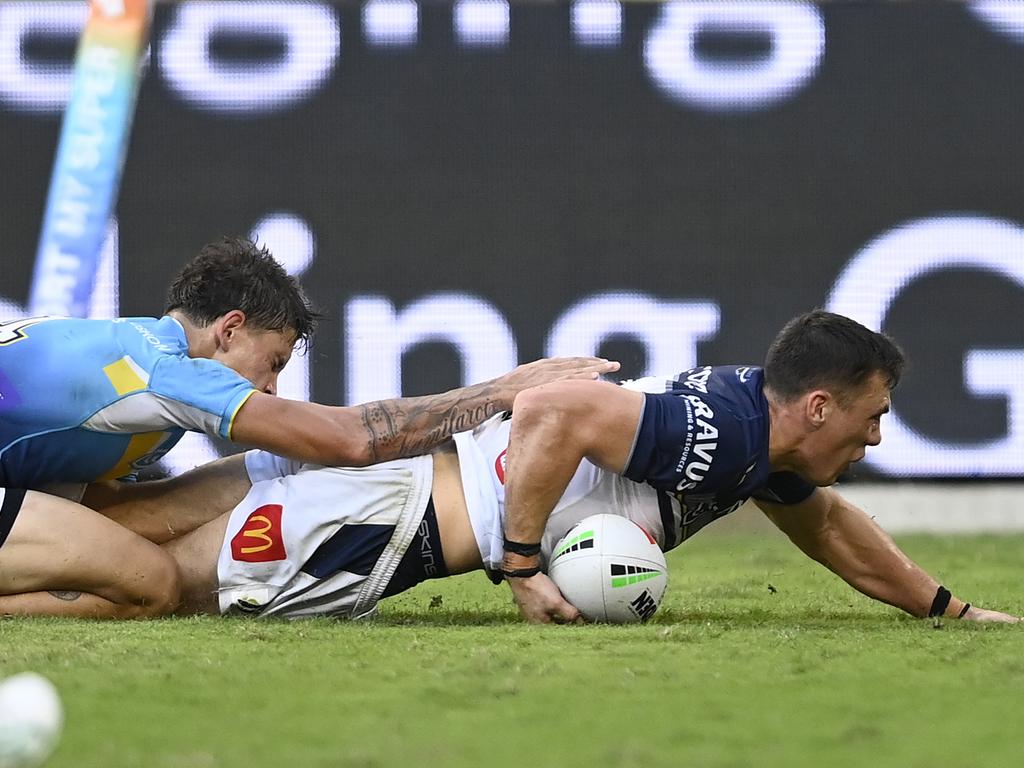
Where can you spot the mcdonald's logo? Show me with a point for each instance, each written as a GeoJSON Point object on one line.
{"type": "Point", "coordinates": [500, 464]}
{"type": "Point", "coordinates": [259, 540]}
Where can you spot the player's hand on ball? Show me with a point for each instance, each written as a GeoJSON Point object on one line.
{"type": "Point", "coordinates": [982, 614]}
{"type": "Point", "coordinates": [540, 602]}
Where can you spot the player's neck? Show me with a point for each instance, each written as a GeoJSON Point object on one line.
{"type": "Point", "coordinates": [201, 341]}
{"type": "Point", "coordinates": [785, 434]}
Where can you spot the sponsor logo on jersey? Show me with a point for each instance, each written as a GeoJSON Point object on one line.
{"type": "Point", "coordinates": [259, 540]}
{"type": "Point", "coordinates": [151, 338]}
{"type": "Point", "coordinates": [143, 449]}
{"type": "Point", "coordinates": [697, 379]}
{"type": "Point", "coordinates": [701, 508]}
{"type": "Point", "coordinates": [695, 461]}
{"type": "Point", "coordinates": [14, 330]}
{"type": "Point", "coordinates": [500, 464]}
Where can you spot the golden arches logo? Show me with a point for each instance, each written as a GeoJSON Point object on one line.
{"type": "Point", "coordinates": [257, 533]}
{"type": "Point", "coordinates": [259, 539]}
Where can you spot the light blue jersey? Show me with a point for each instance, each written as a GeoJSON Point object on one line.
{"type": "Point", "coordinates": [85, 400]}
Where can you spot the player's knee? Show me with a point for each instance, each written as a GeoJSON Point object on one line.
{"type": "Point", "coordinates": [156, 591]}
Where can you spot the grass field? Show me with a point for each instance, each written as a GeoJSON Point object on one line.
{"type": "Point", "coordinates": [728, 673]}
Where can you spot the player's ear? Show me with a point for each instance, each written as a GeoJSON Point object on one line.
{"type": "Point", "coordinates": [227, 326]}
{"type": "Point", "coordinates": [818, 403]}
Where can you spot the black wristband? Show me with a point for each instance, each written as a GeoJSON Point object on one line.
{"type": "Point", "coordinates": [940, 603]}
{"type": "Point", "coordinates": [520, 573]}
{"type": "Point", "coordinates": [964, 610]}
{"type": "Point", "coordinates": [518, 548]}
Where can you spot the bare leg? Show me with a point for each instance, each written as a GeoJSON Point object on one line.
{"type": "Point", "coordinates": [196, 555]}
{"type": "Point", "coordinates": [62, 559]}
{"type": "Point", "coordinates": [163, 510]}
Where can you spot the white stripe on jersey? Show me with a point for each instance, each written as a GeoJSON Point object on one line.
{"type": "Point", "coordinates": [149, 412]}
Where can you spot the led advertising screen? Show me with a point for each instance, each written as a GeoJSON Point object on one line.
{"type": "Point", "coordinates": [466, 186]}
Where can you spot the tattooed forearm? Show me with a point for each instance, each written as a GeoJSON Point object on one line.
{"type": "Point", "coordinates": [415, 425]}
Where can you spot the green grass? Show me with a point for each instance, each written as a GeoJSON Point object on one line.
{"type": "Point", "coordinates": [728, 673]}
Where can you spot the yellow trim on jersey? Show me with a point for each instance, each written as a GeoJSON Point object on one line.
{"type": "Point", "coordinates": [231, 422]}
{"type": "Point", "coordinates": [126, 375]}
{"type": "Point", "coordinates": [140, 445]}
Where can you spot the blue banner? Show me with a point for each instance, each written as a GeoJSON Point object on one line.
{"type": "Point", "coordinates": [87, 171]}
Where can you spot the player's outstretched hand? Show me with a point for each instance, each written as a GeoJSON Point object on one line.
{"type": "Point", "coordinates": [982, 614]}
{"type": "Point", "coordinates": [557, 369]}
{"type": "Point", "coordinates": [540, 602]}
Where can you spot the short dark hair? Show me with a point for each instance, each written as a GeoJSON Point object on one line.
{"type": "Point", "coordinates": [823, 350]}
{"type": "Point", "coordinates": [236, 273]}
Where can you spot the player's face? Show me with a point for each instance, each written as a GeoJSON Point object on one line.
{"type": "Point", "coordinates": [259, 356]}
{"type": "Point", "coordinates": [846, 432]}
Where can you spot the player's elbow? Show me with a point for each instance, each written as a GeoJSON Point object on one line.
{"type": "Point", "coordinates": [541, 408]}
{"type": "Point", "coordinates": [554, 415]}
{"type": "Point", "coordinates": [341, 446]}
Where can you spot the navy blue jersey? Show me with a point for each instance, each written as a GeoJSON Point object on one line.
{"type": "Point", "coordinates": [703, 438]}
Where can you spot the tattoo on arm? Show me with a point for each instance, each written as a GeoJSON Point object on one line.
{"type": "Point", "coordinates": [415, 425]}
{"type": "Point", "coordinates": [68, 595]}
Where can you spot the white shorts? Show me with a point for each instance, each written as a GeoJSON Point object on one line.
{"type": "Point", "coordinates": [322, 541]}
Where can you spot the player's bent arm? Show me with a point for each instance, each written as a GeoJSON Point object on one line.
{"type": "Point", "coordinates": [391, 429]}
{"type": "Point", "coordinates": [837, 534]}
{"type": "Point", "coordinates": [553, 428]}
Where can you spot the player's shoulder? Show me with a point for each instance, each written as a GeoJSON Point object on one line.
{"type": "Point", "coordinates": [737, 387]}
{"type": "Point", "coordinates": [89, 340]}
{"type": "Point", "coordinates": [725, 378]}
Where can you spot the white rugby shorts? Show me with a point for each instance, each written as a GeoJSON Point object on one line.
{"type": "Point", "coordinates": [321, 541]}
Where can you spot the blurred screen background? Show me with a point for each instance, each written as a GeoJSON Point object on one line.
{"type": "Point", "coordinates": [465, 186]}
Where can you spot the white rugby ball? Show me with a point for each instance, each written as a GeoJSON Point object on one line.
{"type": "Point", "coordinates": [31, 717]}
{"type": "Point", "coordinates": [611, 569]}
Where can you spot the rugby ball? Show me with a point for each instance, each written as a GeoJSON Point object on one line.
{"type": "Point", "coordinates": [611, 569]}
{"type": "Point", "coordinates": [31, 717]}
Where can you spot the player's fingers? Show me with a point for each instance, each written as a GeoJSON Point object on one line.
{"type": "Point", "coordinates": [607, 366]}
{"type": "Point", "coordinates": [574, 617]}
{"type": "Point", "coordinates": [595, 372]}
{"type": "Point", "coordinates": [535, 613]}
{"type": "Point", "coordinates": [602, 364]}
{"type": "Point", "coordinates": [565, 613]}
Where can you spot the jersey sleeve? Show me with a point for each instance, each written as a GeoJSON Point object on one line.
{"type": "Point", "coordinates": [686, 442]}
{"type": "Point", "coordinates": [784, 488]}
{"type": "Point", "coordinates": [263, 465]}
{"type": "Point", "coordinates": [199, 394]}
